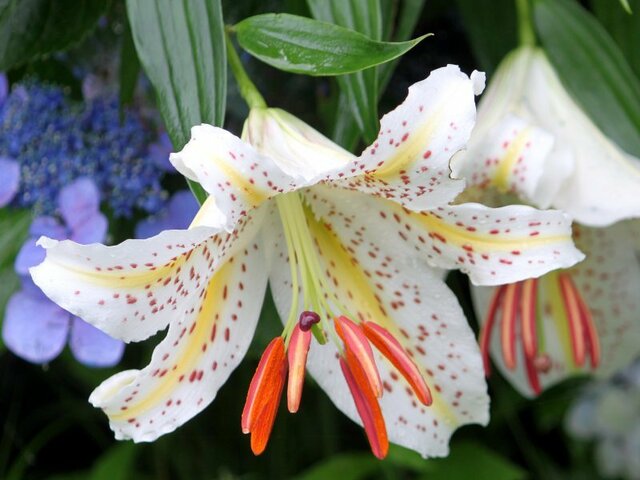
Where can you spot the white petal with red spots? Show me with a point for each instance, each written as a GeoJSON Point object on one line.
{"type": "Point", "coordinates": [375, 279]}
{"type": "Point", "coordinates": [409, 161]}
{"type": "Point", "coordinates": [512, 157]}
{"type": "Point", "coordinates": [198, 354]}
{"type": "Point", "coordinates": [492, 245]}
{"type": "Point", "coordinates": [131, 290]}
{"type": "Point", "coordinates": [231, 171]}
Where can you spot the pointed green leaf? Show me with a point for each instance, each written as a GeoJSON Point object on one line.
{"type": "Point", "coordinates": [181, 47]}
{"type": "Point", "coordinates": [302, 45]}
{"type": "Point", "coordinates": [592, 68]}
{"type": "Point", "coordinates": [624, 28]}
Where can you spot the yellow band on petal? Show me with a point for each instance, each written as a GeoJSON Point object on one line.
{"type": "Point", "coordinates": [410, 148]}
{"type": "Point", "coordinates": [461, 236]}
{"type": "Point", "coordinates": [190, 351]}
{"type": "Point", "coordinates": [509, 159]}
{"type": "Point", "coordinates": [253, 195]}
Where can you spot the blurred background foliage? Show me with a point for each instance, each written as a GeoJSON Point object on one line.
{"type": "Point", "coordinates": [49, 431]}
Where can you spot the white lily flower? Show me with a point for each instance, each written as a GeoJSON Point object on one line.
{"type": "Point", "coordinates": [338, 237]}
{"type": "Point", "coordinates": [532, 139]}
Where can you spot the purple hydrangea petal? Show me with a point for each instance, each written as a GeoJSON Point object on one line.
{"type": "Point", "coordinates": [177, 214]}
{"type": "Point", "coordinates": [48, 227]}
{"type": "Point", "coordinates": [4, 87]}
{"type": "Point", "coordinates": [183, 206]}
{"type": "Point", "coordinates": [92, 230]}
{"type": "Point", "coordinates": [31, 289]}
{"type": "Point", "coordinates": [34, 329]}
{"type": "Point", "coordinates": [78, 201]}
{"type": "Point", "coordinates": [29, 256]}
{"type": "Point", "coordinates": [159, 152]}
{"type": "Point", "coordinates": [93, 347]}
{"type": "Point", "coordinates": [9, 177]}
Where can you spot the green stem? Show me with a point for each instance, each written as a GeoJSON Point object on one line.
{"type": "Point", "coordinates": [526, 34]}
{"type": "Point", "coordinates": [248, 90]}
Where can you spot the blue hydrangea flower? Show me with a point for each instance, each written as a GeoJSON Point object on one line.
{"type": "Point", "coordinates": [177, 214]}
{"type": "Point", "coordinates": [9, 180]}
{"type": "Point", "coordinates": [56, 141]}
{"type": "Point", "coordinates": [35, 328]}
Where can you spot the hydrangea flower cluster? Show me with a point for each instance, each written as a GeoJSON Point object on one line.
{"type": "Point", "coordinates": [607, 413]}
{"type": "Point", "coordinates": [56, 141]}
{"type": "Point", "coordinates": [35, 328]}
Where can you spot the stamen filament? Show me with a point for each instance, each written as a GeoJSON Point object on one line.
{"type": "Point", "coordinates": [487, 330]}
{"type": "Point", "coordinates": [572, 310]}
{"type": "Point", "coordinates": [509, 313]}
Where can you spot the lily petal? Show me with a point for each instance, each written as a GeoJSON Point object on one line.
{"type": "Point", "coordinates": [603, 187]}
{"type": "Point", "coordinates": [237, 177]}
{"type": "Point", "coordinates": [132, 290]}
{"type": "Point", "coordinates": [515, 156]}
{"type": "Point", "coordinates": [608, 281]}
{"type": "Point", "coordinates": [297, 148]}
{"type": "Point", "coordinates": [409, 161]}
{"type": "Point", "coordinates": [200, 351]}
{"type": "Point", "coordinates": [491, 245]}
{"type": "Point", "coordinates": [379, 280]}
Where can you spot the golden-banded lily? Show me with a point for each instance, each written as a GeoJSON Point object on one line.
{"type": "Point", "coordinates": [338, 236]}
{"type": "Point", "coordinates": [532, 140]}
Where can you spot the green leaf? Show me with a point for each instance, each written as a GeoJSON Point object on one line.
{"type": "Point", "coordinates": [592, 68]}
{"type": "Point", "coordinates": [466, 460]}
{"type": "Point", "coordinates": [491, 28]}
{"type": "Point", "coordinates": [348, 466]}
{"type": "Point", "coordinates": [115, 464]}
{"type": "Point", "coordinates": [32, 28]}
{"type": "Point", "coordinates": [359, 88]}
{"type": "Point", "coordinates": [624, 28]}
{"type": "Point", "coordinates": [626, 6]}
{"type": "Point", "coordinates": [181, 46]}
{"type": "Point", "coordinates": [302, 45]}
{"type": "Point", "coordinates": [129, 68]}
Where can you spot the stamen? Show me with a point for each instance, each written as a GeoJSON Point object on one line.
{"type": "Point", "coordinates": [264, 395]}
{"type": "Point", "coordinates": [297, 355]}
{"type": "Point", "coordinates": [389, 346]}
{"type": "Point", "coordinates": [509, 313]}
{"type": "Point", "coordinates": [489, 324]}
{"type": "Point", "coordinates": [368, 408]}
{"type": "Point", "coordinates": [528, 316]}
{"type": "Point", "coordinates": [572, 309]}
{"type": "Point", "coordinates": [356, 342]}
{"type": "Point", "coordinates": [528, 312]}
{"type": "Point", "coordinates": [591, 334]}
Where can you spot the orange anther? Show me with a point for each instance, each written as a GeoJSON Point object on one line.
{"type": "Point", "coordinates": [297, 354]}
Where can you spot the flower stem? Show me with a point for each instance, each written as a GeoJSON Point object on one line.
{"type": "Point", "coordinates": [526, 34]}
{"type": "Point", "coordinates": [248, 90]}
